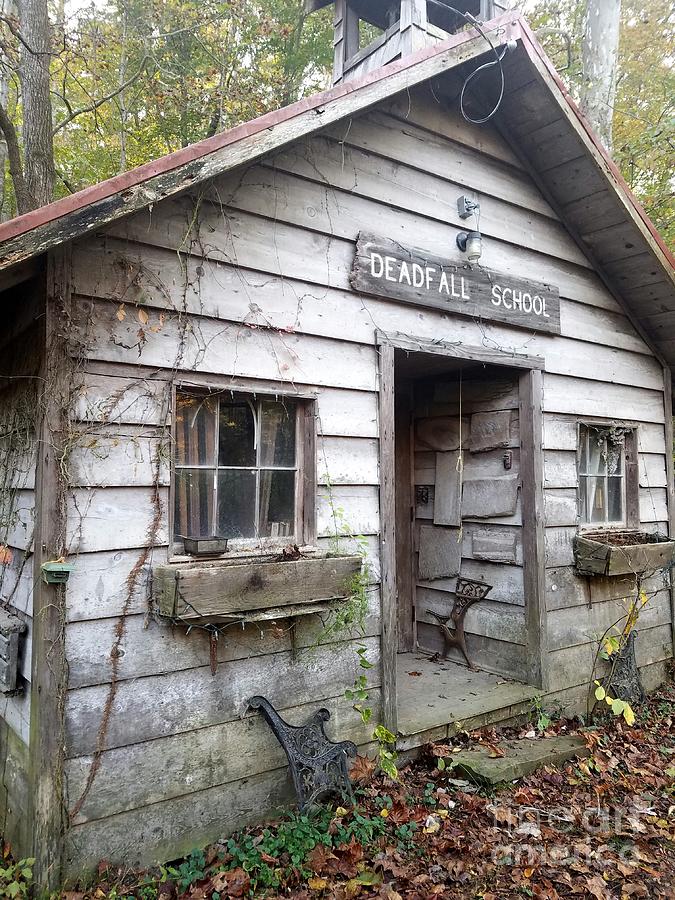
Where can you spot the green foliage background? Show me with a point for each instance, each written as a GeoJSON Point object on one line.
{"type": "Point", "coordinates": [197, 68]}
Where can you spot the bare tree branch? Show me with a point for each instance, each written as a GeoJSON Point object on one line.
{"type": "Point", "coordinates": [92, 107]}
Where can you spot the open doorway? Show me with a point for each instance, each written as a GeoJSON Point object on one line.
{"type": "Point", "coordinates": [459, 536]}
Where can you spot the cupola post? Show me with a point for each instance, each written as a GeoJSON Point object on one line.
{"type": "Point", "coordinates": [371, 33]}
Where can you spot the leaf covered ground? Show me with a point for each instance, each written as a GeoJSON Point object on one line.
{"type": "Point", "coordinates": [602, 827]}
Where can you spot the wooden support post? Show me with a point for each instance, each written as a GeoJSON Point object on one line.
{"type": "Point", "coordinates": [388, 535]}
{"type": "Point", "coordinates": [405, 507]}
{"type": "Point", "coordinates": [670, 476]}
{"type": "Point", "coordinates": [534, 535]}
{"type": "Point", "coordinates": [49, 672]}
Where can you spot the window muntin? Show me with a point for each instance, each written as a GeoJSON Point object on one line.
{"type": "Point", "coordinates": [235, 467]}
{"type": "Point", "coordinates": [602, 476]}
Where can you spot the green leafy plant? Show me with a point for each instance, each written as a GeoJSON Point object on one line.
{"type": "Point", "coordinates": [386, 741]}
{"type": "Point", "coordinates": [610, 646]}
{"type": "Point", "coordinates": [542, 719]}
{"type": "Point", "coordinates": [192, 869]}
{"type": "Point", "coordinates": [352, 613]}
{"type": "Point", "coordinates": [618, 707]}
{"type": "Point", "coordinates": [16, 878]}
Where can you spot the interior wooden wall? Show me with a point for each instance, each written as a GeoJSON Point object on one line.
{"type": "Point", "coordinates": [250, 281]}
{"type": "Point", "coordinates": [495, 628]}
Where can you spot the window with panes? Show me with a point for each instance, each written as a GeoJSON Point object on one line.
{"type": "Point", "coordinates": [235, 467]}
{"type": "Point", "coordinates": [602, 475]}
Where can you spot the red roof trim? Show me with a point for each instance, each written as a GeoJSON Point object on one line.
{"type": "Point", "coordinates": [535, 50]}
{"type": "Point", "coordinates": [118, 183]}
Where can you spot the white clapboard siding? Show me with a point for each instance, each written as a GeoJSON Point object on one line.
{"type": "Point", "coordinates": [173, 828]}
{"type": "Point", "coordinates": [144, 402]}
{"type": "Point", "coordinates": [408, 144]}
{"type": "Point", "coordinates": [367, 545]}
{"type": "Point", "coordinates": [208, 345]}
{"type": "Point", "coordinates": [205, 345]}
{"type": "Point", "coordinates": [593, 398]}
{"type": "Point", "coordinates": [421, 108]}
{"type": "Point", "coordinates": [340, 214]}
{"type": "Point", "coordinates": [94, 517]}
{"type": "Point", "coordinates": [404, 187]}
{"type": "Point", "coordinates": [652, 470]}
{"type": "Point", "coordinates": [566, 588]}
{"type": "Point", "coordinates": [560, 469]}
{"type": "Point", "coordinates": [599, 326]}
{"type": "Point", "coordinates": [653, 505]}
{"type": "Point", "coordinates": [106, 457]}
{"type": "Point", "coordinates": [200, 760]}
{"type": "Point", "coordinates": [348, 510]}
{"type": "Point", "coordinates": [102, 585]}
{"type": "Point", "coordinates": [155, 647]}
{"type": "Point", "coordinates": [147, 708]}
{"type": "Point", "coordinates": [559, 543]}
{"type": "Point", "coordinates": [561, 433]}
{"type": "Point", "coordinates": [154, 277]}
{"type": "Point", "coordinates": [487, 618]}
{"type": "Point", "coordinates": [567, 628]}
{"type": "Point", "coordinates": [348, 460]}
{"type": "Point", "coordinates": [119, 400]}
{"type": "Point", "coordinates": [573, 665]}
{"type": "Point", "coordinates": [560, 507]}
{"type": "Point", "coordinates": [243, 239]}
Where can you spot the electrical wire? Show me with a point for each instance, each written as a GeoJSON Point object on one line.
{"type": "Point", "coordinates": [497, 61]}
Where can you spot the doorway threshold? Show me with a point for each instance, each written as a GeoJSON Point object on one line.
{"type": "Point", "coordinates": [438, 697]}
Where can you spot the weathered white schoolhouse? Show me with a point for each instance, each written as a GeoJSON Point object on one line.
{"type": "Point", "coordinates": [363, 314]}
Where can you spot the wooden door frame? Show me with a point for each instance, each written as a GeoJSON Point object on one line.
{"type": "Point", "coordinates": [532, 498]}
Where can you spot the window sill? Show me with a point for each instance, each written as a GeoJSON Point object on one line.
{"type": "Point", "coordinates": [260, 553]}
{"type": "Point", "coordinates": [238, 588]}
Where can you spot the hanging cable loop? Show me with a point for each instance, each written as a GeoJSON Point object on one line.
{"type": "Point", "coordinates": [497, 61]}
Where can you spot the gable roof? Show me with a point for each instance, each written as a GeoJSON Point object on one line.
{"type": "Point", "coordinates": [537, 116]}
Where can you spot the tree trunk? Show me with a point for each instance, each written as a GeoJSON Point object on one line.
{"type": "Point", "coordinates": [24, 200]}
{"type": "Point", "coordinates": [6, 9]}
{"type": "Point", "coordinates": [600, 60]}
{"type": "Point", "coordinates": [37, 127]}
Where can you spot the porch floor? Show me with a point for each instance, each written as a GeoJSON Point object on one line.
{"type": "Point", "coordinates": [441, 695]}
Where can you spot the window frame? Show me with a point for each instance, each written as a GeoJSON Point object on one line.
{"type": "Point", "coordinates": [630, 478]}
{"type": "Point", "coordinates": [305, 468]}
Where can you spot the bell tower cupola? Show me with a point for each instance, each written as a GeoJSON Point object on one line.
{"type": "Point", "coordinates": [371, 33]}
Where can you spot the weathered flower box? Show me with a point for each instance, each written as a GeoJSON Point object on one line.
{"type": "Point", "coordinates": [198, 592]}
{"type": "Point", "coordinates": [628, 552]}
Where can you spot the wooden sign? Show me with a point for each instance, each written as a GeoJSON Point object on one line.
{"type": "Point", "coordinates": [386, 269]}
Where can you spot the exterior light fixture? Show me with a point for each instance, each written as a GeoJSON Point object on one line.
{"type": "Point", "coordinates": [471, 243]}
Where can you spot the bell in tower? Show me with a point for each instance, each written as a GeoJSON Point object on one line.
{"type": "Point", "coordinates": [371, 33]}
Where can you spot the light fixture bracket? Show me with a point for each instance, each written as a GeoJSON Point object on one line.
{"type": "Point", "coordinates": [467, 207]}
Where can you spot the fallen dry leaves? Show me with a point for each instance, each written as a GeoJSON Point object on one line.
{"type": "Point", "coordinates": [601, 828]}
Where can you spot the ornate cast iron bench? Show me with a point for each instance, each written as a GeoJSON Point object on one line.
{"type": "Point", "coordinates": [318, 765]}
{"type": "Point", "coordinates": [467, 593]}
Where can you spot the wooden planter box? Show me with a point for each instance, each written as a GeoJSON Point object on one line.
{"type": "Point", "coordinates": [621, 552]}
{"type": "Point", "coordinates": [195, 592]}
